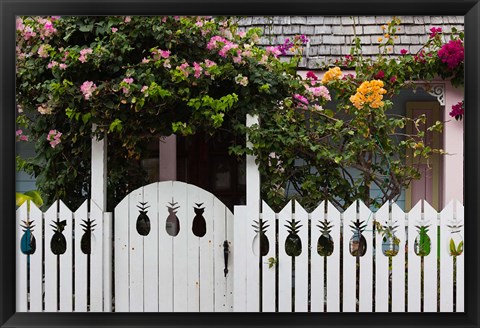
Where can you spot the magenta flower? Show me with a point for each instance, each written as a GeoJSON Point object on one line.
{"type": "Point", "coordinates": [393, 79]}
{"type": "Point", "coordinates": [303, 101]}
{"type": "Point", "coordinates": [403, 51]}
{"type": "Point", "coordinates": [434, 31]}
{"type": "Point", "coordinates": [452, 53]}
{"type": "Point", "coordinates": [380, 75]}
{"type": "Point", "coordinates": [311, 75]}
{"type": "Point", "coordinates": [458, 111]}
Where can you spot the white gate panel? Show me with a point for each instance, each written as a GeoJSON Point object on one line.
{"type": "Point", "coordinates": [333, 261]}
{"type": "Point", "coordinates": [51, 288]}
{"type": "Point", "coordinates": [349, 261]}
{"type": "Point", "coordinates": [366, 261]}
{"type": "Point", "coordinates": [414, 261]}
{"type": "Point", "coordinates": [430, 262]}
{"type": "Point", "coordinates": [96, 260]}
{"type": "Point", "coordinates": [150, 250]}
{"type": "Point", "coordinates": [122, 256]}
{"type": "Point", "coordinates": [398, 261]}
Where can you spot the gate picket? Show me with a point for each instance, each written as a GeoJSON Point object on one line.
{"type": "Point", "coordinates": [460, 297]}
{"type": "Point", "coordinates": [366, 261]}
{"type": "Point", "coordinates": [122, 255]}
{"type": "Point", "coordinates": [446, 260]}
{"type": "Point", "coordinates": [96, 259]}
{"type": "Point", "coordinates": [136, 268]}
{"type": "Point", "coordinates": [150, 250]}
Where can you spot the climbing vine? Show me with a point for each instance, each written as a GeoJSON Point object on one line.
{"type": "Point", "coordinates": [139, 78]}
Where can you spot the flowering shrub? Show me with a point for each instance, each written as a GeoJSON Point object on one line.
{"type": "Point", "coordinates": [138, 78]}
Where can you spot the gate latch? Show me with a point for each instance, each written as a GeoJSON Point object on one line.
{"type": "Point", "coordinates": [225, 256]}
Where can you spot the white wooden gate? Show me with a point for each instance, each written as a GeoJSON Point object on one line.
{"type": "Point", "coordinates": [172, 257]}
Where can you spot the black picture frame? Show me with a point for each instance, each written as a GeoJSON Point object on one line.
{"type": "Point", "coordinates": [10, 8]}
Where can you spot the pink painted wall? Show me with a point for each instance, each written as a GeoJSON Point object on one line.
{"type": "Point", "coordinates": [453, 172]}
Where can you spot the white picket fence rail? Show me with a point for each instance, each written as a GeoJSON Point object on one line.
{"type": "Point", "coordinates": [158, 274]}
{"type": "Point", "coordinates": [315, 283]}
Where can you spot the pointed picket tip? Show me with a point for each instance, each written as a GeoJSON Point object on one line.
{"type": "Point", "coordinates": [82, 207]}
{"type": "Point", "coordinates": [299, 208]}
{"type": "Point", "coordinates": [94, 207]}
{"type": "Point", "coordinates": [287, 207]}
{"type": "Point", "coordinates": [362, 206]}
{"type": "Point", "coordinates": [23, 207]}
{"type": "Point", "coordinates": [427, 207]}
{"type": "Point", "coordinates": [52, 208]}
{"type": "Point", "coordinates": [352, 207]}
{"type": "Point", "coordinates": [331, 209]}
{"type": "Point", "coordinates": [396, 208]}
{"type": "Point", "coordinates": [382, 214]}
{"type": "Point", "coordinates": [319, 210]}
{"type": "Point", "coordinates": [417, 207]}
{"type": "Point", "coordinates": [266, 208]}
{"type": "Point", "coordinates": [62, 205]}
{"type": "Point", "coordinates": [448, 208]}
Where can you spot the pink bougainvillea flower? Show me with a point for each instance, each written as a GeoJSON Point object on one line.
{"type": "Point", "coordinates": [54, 138]}
{"type": "Point", "coordinates": [18, 133]}
{"type": "Point", "coordinates": [393, 79]}
{"type": "Point", "coordinates": [301, 99]}
{"type": "Point", "coordinates": [274, 51]}
{"type": "Point", "coordinates": [128, 80]}
{"type": "Point", "coordinates": [87, 88]}
{"type": "Point", "coordinates": [84, 53]}
{"type": "Point", "coordinates": [114, 29]}
{"type": "Point", "coordinates": [43, 51]}
{"type": "Point", "coordinates": [197, 70]}
{"type": "Point", "coordinates": [144, 88]}
{"type": "Point", "coordinates": [52, 64]}
{"type": "Point", "coordinates": [63, 66]}
{"type": "Point", "coordinates": [128, 19]}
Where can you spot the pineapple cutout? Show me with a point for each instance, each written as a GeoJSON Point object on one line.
{"type": "Point", "coordinates": [172, 225]}
{"type": "Point", "coordinates": [86, 241]}
{"type": "Point", "coordinates": [28, 244]}
{"type": "Point", "coordinates": [358, 243]}
{"type": "Point", "coordinates": [143, 221]}
{"type": "Point", "coordinates": [325, 243]}
{"type": "Point", "coordinates": [199, 226]}
{"type": "Point", "coordinates": [422, 243]}
{"type": "Point", "coordinates": [293, 243]}
{"type": "Point", "coordinates": [390, 242]}
{"type": "Point", "coordinates": [260, 242]}
{"type": "Point", "coordinates": [455, 244]}
{"type": "Point", "coordinates": [58, 244]}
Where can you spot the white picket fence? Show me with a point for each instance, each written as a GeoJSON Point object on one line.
{"type": "Point", "coordinates": [69, 282]}
{"type": "Point", "coordinates": [160, 272]}
{"type": "Point", "coordinates": [330, 283]}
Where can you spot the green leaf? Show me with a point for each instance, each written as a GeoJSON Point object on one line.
{"type": "Point", "coordinates": [35, 197]}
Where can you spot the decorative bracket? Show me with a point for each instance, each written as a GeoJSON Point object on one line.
{"type": "Point", "coordinates": [436, 89]}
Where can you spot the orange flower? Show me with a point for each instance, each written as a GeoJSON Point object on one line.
{"type": "Point", "coordinates": [369, 93]}
{"type": "Point", "coordinates": [332, 74]}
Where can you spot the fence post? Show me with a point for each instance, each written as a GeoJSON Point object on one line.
{"type": "Point", "coordinates": [99, 171]}
{"type": "Point", "coordinates": [253, 213]}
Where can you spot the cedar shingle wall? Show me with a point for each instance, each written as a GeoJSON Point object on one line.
{"type": "Point", "coordinates": [331, 36]}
